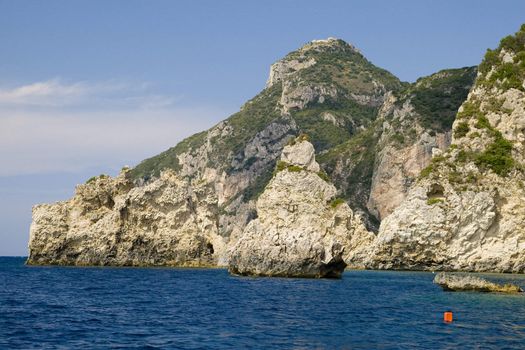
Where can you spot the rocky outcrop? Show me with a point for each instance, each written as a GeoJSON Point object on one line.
{"type": "Point", "coordinates": [397, 168]}
{"type": "Point", "coordinates": [467, 210]}
{"type": "Point", "coordinates": [297, 96]}
{"type": "Point", "coordinates": [301, 229]}
{"type": "Point", "coordinates": [169, 221]}
{"type": "Point", "coordinates": [469, 283]}
{"type": "Point", "coordinates": [282, 69]}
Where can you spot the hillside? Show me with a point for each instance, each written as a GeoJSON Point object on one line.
{"type": "Point", "coordinates": [328, 90]}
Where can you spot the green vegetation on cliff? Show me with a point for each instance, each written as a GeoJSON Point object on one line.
{"type": "Point", "coordinates": [360, 87]}
{"type": "Point", "coordinates": [497, 156]}
{"type": "Point", "coordinates": [350, 165]}
{"type": "Point", "coordinates": [436, 98]}
{"type": "Point", "coordinates": [342, 65]}
{"type": "Point", "coordinates": [336, 202]}
{"type": "Point", "coordinates": [167, 159]}
{"type": "Point", "coordinates": [498, 70]}
{"type": "Point", "coordinates": [502, 69]}
{"type": "Point", "coordinates": [325, 134]}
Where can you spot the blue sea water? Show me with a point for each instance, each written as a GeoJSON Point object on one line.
{"type": "Point", "coordinates": [65, 307]}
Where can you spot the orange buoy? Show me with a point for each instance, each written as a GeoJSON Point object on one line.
{"type": "Point", "coordinates": [448, 316]}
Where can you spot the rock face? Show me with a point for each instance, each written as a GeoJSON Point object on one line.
{"type": "Point", "coordinates": [282, 69]}
{"type": "Point", "coordinates": [301, 229]}
{"type": "Point", "coordinates": [415, 125]}
{"type": "Point", "coordinates": [109, 222]}
{"type": "Point", "coordinates": [467, 210]}
{"type": "Point", "coordinates": [468, 283]}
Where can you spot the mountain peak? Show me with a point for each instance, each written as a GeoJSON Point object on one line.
{"type": "Point", "coordinates": [330, 38]}
{"type": "Point", "coordinates": [315, 51]}
{"type": "Point", "coordinates": [329, 43]}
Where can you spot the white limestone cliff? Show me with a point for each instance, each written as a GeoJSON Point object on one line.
{"type": "Point", "coordinates": [169, 221]}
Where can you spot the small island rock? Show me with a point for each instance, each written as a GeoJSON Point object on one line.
{"type": "Point", "coordinates": [462, 282]}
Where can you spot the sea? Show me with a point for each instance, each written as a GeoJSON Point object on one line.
{"type": "Point", "coordinates": [172, 308]}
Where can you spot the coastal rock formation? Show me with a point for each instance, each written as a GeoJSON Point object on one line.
{"type": "Point", "coordinates": [365, 126]}
{"type": "Point", "coordinates": [467, 210]}
{"type": "Point", "coordinates": [469, 283]}
{"type": "Point", "coordinates": [301, 229]}
{"type": "Point", "coordinates": [169, 221]}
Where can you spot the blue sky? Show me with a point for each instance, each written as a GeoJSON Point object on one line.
{"type": "Point", "coordinates": [90, 86]}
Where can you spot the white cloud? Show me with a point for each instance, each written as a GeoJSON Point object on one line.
{"type": "Point", "coordinates": [51, 126]}
{"type": "Point", "coordinates": [108, 94]}
{"type": "Point", "coordinates": [50, 88]}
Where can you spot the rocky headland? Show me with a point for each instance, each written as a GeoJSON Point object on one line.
{"type": "Point", "coordinates": [394, 177]}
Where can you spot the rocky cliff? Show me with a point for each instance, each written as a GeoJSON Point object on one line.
{"type": "Point", "coordinates": [467, 210]}
{"type": "Point", "coordinates": [169, 221]}
{"type": "Point", "coordinates": [301, 228]}
{"type": "Point", "coordinates": [365, 126]}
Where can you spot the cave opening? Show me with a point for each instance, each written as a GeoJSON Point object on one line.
{"type": "Point", "coordinates": [436, 191]}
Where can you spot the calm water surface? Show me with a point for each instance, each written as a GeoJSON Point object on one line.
{"type": "Point", "coordinates": [61, 307]}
